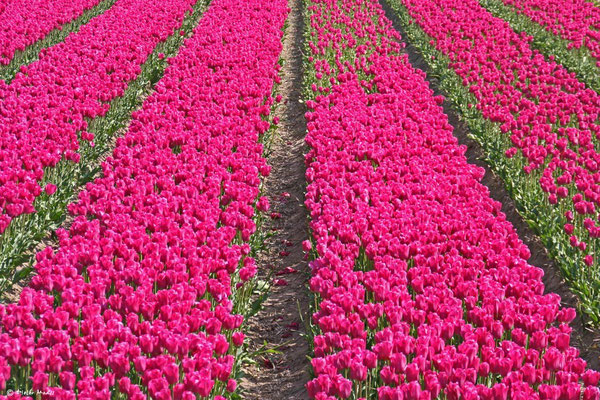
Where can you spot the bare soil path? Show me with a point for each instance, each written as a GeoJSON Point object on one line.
{"type": "Point", "coordinates": [279, 323]}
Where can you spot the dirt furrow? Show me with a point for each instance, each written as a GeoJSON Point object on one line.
{"type": "Point", "coordinates": [279, 323]}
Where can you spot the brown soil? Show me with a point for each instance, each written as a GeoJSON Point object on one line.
{"type": "Point", "coordinates": [279, 322]}
{"type": "Point", "coordinates": [585, 339]}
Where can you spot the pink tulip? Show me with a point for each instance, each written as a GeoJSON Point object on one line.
{"type": "Point", "coordinates": [575, 21]}
{"type": "Point", "coordinates": [417, 274]}
{"type": "Point", "coordinates": [23, 23]}
{"type": "Point", "coordinates": [49, 101]}
{"type": "Point", "coordinates": [142, 282]}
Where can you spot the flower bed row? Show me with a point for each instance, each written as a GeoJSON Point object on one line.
{"type": "Point", "coordinates": [48, 112]}
{"type": "Point", "coordinates": [145, 292]}
{"type": "Point", "coordinates": [24, 22]}
{"type": "Point", "coordinates": [3, 4]}
{"type": "Point", "coordinates": [48, 105]}
{"type": "Point", "coordinates": [569, 35]}
{"type": "Point", "coordinates": [29, 44]}
{"type": "Point", "coordinates": [25, 232]}
{"type": "Point", "coordinates": [542, 118]}
{"type": "Point", "coordinates": [421, 287]}
{"type": "Point", "coordinates": [575, 21]}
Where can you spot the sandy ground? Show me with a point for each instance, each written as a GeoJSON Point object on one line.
{"type": "Point", "coordinates": [279, 323]}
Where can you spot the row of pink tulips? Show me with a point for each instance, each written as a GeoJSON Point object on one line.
{"type": "Point", "coordinates": [143, 295]}
{"type": "Point", "coordinates": [563, 30]}
{"type": "Point", "coordinates": [23, 22]}
{"type": "Point", "coordinates": [575, 21]}
{"type": "Point", "coordinates": [3, 4]}
{"type": "Point", "coordinates": [45, 110]}
{"type": "Point", "coordinates": [548, 122]}
{"type": "Point", "coordinates": [422, 288]}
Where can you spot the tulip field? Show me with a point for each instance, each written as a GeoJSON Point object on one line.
{"type": "Point", "coordinates": [141, 148]}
